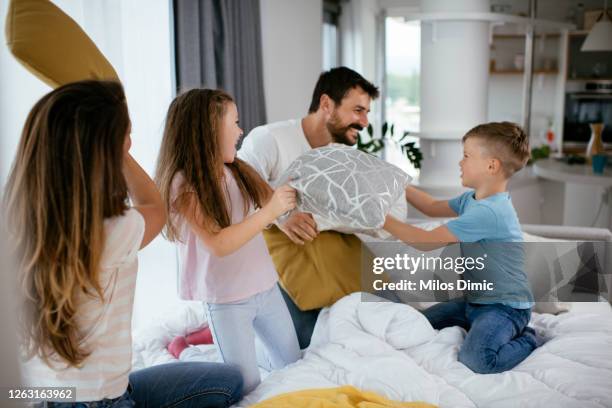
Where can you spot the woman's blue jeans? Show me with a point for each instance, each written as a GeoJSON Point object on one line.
{"type": "Point", "coordinates": [175, 385]}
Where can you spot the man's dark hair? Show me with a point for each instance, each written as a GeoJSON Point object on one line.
{"type": "Point", "coordinates": [336, 83]}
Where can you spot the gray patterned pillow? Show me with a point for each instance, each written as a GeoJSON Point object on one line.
{"type": "Point", "coordinates": [347, 190]}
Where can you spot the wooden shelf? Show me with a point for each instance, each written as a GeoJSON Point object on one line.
{"type": "Point", "coordinates": [489, 17]}
{"type": "Point", "coordinates": [589, 79]}
{"type": "Point", "coordinates": [517, 72]}
{"type": "Point", "coordinates": [579, 33]}
{"type": "Point", "coordinates": [515, 36]}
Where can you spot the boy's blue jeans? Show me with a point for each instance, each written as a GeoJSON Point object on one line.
{"type": "Point", "coordinates": [498, 337]}
{"type": "Point", "coordinates": [174, 385]}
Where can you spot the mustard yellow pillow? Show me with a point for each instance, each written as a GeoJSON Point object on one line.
{"type": "Point", "coordinates": [340, 397]}
{"type": "Point", "coordinates": [52, 46]}
{"type": "Point", "coordinates": [320, 272]}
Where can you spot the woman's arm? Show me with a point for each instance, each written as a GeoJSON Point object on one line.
{"type": "Point", "coordinates": [229, 239]}
{"type": "Point", "coordinates": [145, 197]}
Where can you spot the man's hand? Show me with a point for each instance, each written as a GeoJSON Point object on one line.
{"type": "Point", "coordinates": [300, 227]}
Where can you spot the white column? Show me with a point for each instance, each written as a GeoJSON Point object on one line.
{"type": "Point", "coordinates": [454, 88]}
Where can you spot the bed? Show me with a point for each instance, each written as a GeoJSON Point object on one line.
{"type": "Point", "coordinates": [391, 349]}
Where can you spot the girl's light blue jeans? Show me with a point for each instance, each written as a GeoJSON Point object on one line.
{"type": "Point", "coordinates": [235, 324]}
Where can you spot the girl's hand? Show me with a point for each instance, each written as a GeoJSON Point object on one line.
{"type": "Point", "coordinates": [282, 200]}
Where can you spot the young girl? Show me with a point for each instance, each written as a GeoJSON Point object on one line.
{"type": "Point", "coordinates": [76, 243]}
{"type": "Point", "coordinates": [211, 198]}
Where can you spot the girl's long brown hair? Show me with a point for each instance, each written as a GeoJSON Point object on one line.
{"type": "Point", "coordinates": [191, 145]}
{"type": "Point", "coordinates": [66, 179]}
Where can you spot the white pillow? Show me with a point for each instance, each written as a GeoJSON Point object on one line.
{"type": "Point", "coordinates": [540, 266]}
{"type": "Point", "coordinates": [347, 190]}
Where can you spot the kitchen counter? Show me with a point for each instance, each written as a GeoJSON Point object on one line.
{"type": "Point", "coordinates": [557, 170]}
{"type": "Point", "coordinates": [582, 197]}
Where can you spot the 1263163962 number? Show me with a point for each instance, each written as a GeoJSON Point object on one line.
{"type": "Point", "coordinates": [59, 394]}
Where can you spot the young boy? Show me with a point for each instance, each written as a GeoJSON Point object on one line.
{"type": "Point", "coordinates": [498, 337]}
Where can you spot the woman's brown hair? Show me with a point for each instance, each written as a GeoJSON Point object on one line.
{"type": "Point", "coordinates": [66, 179]}
{"type": "Point", "coordinates": [191, 146]}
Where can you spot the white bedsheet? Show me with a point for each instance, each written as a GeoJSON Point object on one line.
{"type": "Point", "coordinates": [149, 343]}
{"type": "Point", "coordinates": [391, 349]}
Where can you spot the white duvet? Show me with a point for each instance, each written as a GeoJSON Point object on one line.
{"type": "Point", "coordinates": [391, 349]}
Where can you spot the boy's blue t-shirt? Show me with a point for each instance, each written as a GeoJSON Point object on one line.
{"type": "Point", "coordinates": [490, 226]}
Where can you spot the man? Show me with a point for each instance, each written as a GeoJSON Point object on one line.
{"type": "Point", "coordinates": [338, 111]}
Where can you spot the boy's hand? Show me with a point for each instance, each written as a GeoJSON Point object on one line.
{"type": "Point", "coordinates": [417, 237]}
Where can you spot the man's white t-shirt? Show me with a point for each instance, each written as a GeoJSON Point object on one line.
{"type": "Point", "coordinates": [270, 149]}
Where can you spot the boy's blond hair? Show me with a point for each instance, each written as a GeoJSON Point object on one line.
{"type": "Point", "coordinates": [506, 141]}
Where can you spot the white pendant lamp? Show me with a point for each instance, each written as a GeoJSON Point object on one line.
{"type": "Point", "coordinates": [600, 36]}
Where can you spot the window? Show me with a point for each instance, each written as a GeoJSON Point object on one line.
{"type": "Point", "coordinates": [331, 14]}
{"type": "Point", "coordinates": [403, 73]}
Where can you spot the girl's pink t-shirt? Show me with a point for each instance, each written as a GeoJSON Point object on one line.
{"type": "Point", "coordinates": [237, 276]}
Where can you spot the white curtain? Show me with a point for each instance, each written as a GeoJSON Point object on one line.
{"type": "Point", "coordinates": [137, 38]}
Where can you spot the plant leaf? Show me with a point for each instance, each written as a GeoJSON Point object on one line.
{"type": "Point", "coordinates": [404, 136]}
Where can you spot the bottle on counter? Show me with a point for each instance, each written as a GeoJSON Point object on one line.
{"type": "Point", "coordinates": [595, 146]}
{"type": "Point", "coordinates": [550, 135]}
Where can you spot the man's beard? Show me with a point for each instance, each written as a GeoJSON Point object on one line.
{"type": "Point", "coordinates": [339, 133]}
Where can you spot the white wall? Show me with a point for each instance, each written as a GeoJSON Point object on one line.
{"type": "Point", "coordinates": [358, 34]}
{"type": "Point", "coordinates": [136, 37]}
{"type": "Point", "coordinates": [291, 33]}
{"type": "Point", "coordinates": [292, 50]}
{"type": "Point", "coordinates": [506, 98]}
{"type": "Point", "coordinates": [400, 7]}
{"type": "Point", "coordinates": [359, 40]}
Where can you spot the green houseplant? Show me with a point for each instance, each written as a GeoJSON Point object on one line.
{"type": "Point", "coordinates": [374, 144]}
